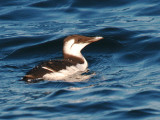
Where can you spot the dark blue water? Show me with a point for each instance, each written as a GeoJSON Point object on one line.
{"type": "Point", "coordinates": [126, 61]}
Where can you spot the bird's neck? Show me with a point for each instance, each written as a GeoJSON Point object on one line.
{"type": "Point", "coordinates": [73, 52]}
{"type": "Point", "coordinates": [75, 57]}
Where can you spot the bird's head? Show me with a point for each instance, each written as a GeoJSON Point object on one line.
{"type": "Point", "coordinates": [75, 43]}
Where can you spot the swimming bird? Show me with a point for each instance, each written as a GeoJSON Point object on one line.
{"type": "Point", "coordinates": [72, 62]}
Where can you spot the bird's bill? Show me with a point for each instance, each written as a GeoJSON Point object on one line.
{"type": "Point", "coordinates": [94, 39]}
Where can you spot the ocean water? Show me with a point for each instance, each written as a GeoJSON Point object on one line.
{"type": "Point", "coordinates": [126, 63]}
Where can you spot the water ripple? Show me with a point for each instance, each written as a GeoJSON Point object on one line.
{"type": "Point", "coordinates": [125, 63]}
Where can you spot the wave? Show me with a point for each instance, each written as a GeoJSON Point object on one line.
{"type": "Point", "coordinates": [126, 62]}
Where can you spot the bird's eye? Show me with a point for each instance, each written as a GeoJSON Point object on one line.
{"type": "Point", "coordinates": [78, 40]}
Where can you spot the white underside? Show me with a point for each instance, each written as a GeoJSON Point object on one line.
{"type": "Point", "coordinates": [66, 73]}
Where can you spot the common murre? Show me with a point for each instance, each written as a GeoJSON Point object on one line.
{"type": "Point", "coordinates": [72, 63]}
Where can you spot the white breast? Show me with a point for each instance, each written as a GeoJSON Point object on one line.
{"type": "Point", "coordinates": [65, 73]}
